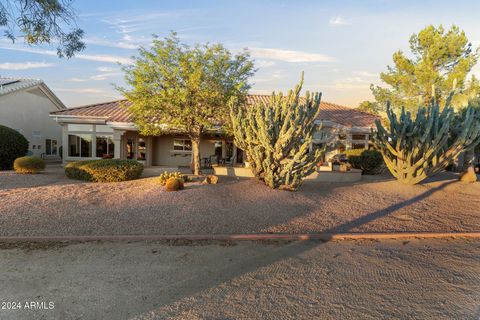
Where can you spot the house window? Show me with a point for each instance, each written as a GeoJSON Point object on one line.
{"type": "Point", "coordinates": [51, 147]}
{"type": "Point", "coordinates": [359, 136]}
{"type": "Point", "coordinates": [105, 147]}
{"type": "Point", "coordinates": [131, 148]}
{"type": "Point", "coordinates": [142, 149]}
{"type": "Point", "coordinates": [182, 145]}
{"type": "Point", "coordinates": [80, 145]}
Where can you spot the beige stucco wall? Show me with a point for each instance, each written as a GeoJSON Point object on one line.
{"type": "Point", "coordinates": [28, 111]}
{"type": "Point", "coordinates": [163, 151]}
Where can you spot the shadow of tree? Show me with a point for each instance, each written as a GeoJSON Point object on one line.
{"type": "Point", "coordinates": [250, 264]}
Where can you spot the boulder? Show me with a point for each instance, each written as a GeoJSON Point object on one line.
{"type": "Point", "coordinates": [211, 179]}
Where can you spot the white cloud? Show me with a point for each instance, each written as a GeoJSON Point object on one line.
{"type": "Point", "coordinates": [78, 79]}
{"type": "Point", "coordinates": [264, 63]}
{"type": "Point", "coordinates": [104, 58]}
{"type": "Point", "coordinates": [104, 76]}
{"type": "Point", "coordinates": [98, 77]}
{"type": "Point", "coordinates": [107, 69]}
{"type": "Point", "coordinates": [271, 78]}
{"type": "Point", "coordinates": [81, 90]}
{"type": "Point", "coordinates": [366, 74]}
{"type": "Point", "coordinates": [288, 55]}
{"type": "Point", "coordinates": [338, 21]}
{"type": "Point", "coordinates": [89, 57]}
{"type": "Point", "coordinates": [24, 65]}
{"type": "Point", "coordinates": [111, 44]}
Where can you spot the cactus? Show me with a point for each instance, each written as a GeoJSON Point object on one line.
{"type": "Point", "coordinates": [174, 184]}
{"type": "Point", "coordinates": [414, 149]}
{"type": "Point", "coordinates": [167, 175]}
{"type": "Point", "coordinates": [277, 136]}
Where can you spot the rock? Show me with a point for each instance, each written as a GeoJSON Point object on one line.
{"type": "Point", "coordinates": [469, 176]}
{"type": "Point", "coordinates": [211, 179]}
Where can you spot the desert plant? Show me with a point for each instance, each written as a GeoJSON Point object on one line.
{"type": "Point", "coordinates": [369, 161]}
{"type": "Point", "coordinates": [414, 149]}
{"type": "Point", "coordinates": [29, 165]}
{"type": "Point", "coordinates": [167, 175]}
{"type": "Point", "coordinates": [104, 170]}
{"type": "Point", "coordinates": [354, 157]}
{"type": "Point", "coordinates": [174, 184]}
{"type": "Point", "coordinates": [12, 146]}
{"type": "Point", "coordinates": [277, 135]}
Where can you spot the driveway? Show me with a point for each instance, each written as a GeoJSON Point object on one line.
{"type": "Point", "coordinates": [421, 279]}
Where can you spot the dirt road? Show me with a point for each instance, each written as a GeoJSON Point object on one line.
{"type": "Point", "coordinates": [418, 279]}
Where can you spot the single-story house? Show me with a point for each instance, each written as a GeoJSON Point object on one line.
{"type": "Point", "coordinates": [25, 105]}
{"type": "Point", "coordinates": [106, 130]}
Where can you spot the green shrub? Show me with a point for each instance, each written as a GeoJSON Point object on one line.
{"type": "Point", "coordinates": [167, 175]}
{"type": "Point", "coordinates": [369, 161]}
{"type": "Point", "coordinates": [104, 170]}
{"type": "Point", "coordinates": [12, 146]}
{"type": "Point", "coordinates": [28, 165]}
{"type": "Point", "coordinates": [372, 162]}
{"type": "Point", "coordinates": [174, 184]}
{"type": "Point", "coordinates": [354, 157]}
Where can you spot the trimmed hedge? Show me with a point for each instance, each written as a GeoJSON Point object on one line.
{"type": "Point", "coordinates": [12, 146]}
{"type": "Point", "coordinates": [369, 161]}
{"type": "Point", "coordinates": [28, 165]}
{"type": "Point", "coordinates": [104, 170]}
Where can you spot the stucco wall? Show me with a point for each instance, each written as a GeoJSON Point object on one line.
{"type": "Point", "coordinates": [163, 154]}
{"type": "Point", "coordinates": [28, 112]}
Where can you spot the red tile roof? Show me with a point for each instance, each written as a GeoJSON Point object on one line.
{"type": "Point", "coordinates": [117, 111]}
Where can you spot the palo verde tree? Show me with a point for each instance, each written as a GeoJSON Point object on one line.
{"type": "Point", "coordinates": [176, 87]}
{"type": "Point", "coordinates": [438, 58]}
{"type": "Point", "coordinates": [416, 148]}
{"type": "Point", "coordinates": [277, 136]}
{"type": "Point", "coordinates": [370, 107]}
{"type": "Point", "coordinates": [42, 21]}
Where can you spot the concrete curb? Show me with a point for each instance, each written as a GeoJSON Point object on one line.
{"type": "Point", "coordinates": [246, 237]}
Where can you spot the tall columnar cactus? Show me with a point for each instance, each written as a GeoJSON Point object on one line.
{"type": "Point", "coordinates": [414, 149]}
{"type": "Point", "coordinates": [277, 135]}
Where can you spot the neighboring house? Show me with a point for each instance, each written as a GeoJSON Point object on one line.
{"type": "Point", "coordinates": [106, 130]}
{"type": "Point", "coordinates": [25, 105]}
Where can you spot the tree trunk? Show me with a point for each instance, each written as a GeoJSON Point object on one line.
{"type": "Point", "coordinates": [196, 155]}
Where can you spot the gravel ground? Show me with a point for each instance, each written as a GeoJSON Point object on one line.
{"type": "Point", "coordinates": [51, 204]}
{"type": "Point", "coordinates": [418, 279]}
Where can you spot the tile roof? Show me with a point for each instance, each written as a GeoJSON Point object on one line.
{"type": "Point", "coordinates": [8, 85]}
{"type": "Point", "coordinates": [117, 111]}
{"type": "Point", "coordinates": [331, 112]}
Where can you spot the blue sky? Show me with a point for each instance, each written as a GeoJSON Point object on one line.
{"type": "Point", "coordinates": [341, 45]}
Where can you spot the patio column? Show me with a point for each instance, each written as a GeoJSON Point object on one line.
{"type": "Point", "coordinates": [148, 155]}
{"type": "Point", "coordinates": [224, 149]}
{"type": "Point", "coordinates": [117, 142]}
{"type": "Point", "coordinates": [64, 143]}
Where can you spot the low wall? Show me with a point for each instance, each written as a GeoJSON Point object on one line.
{"type": "Point", "coordinates": [324, 175]}
{"type": "Point", "coordinates": [233, 171]}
